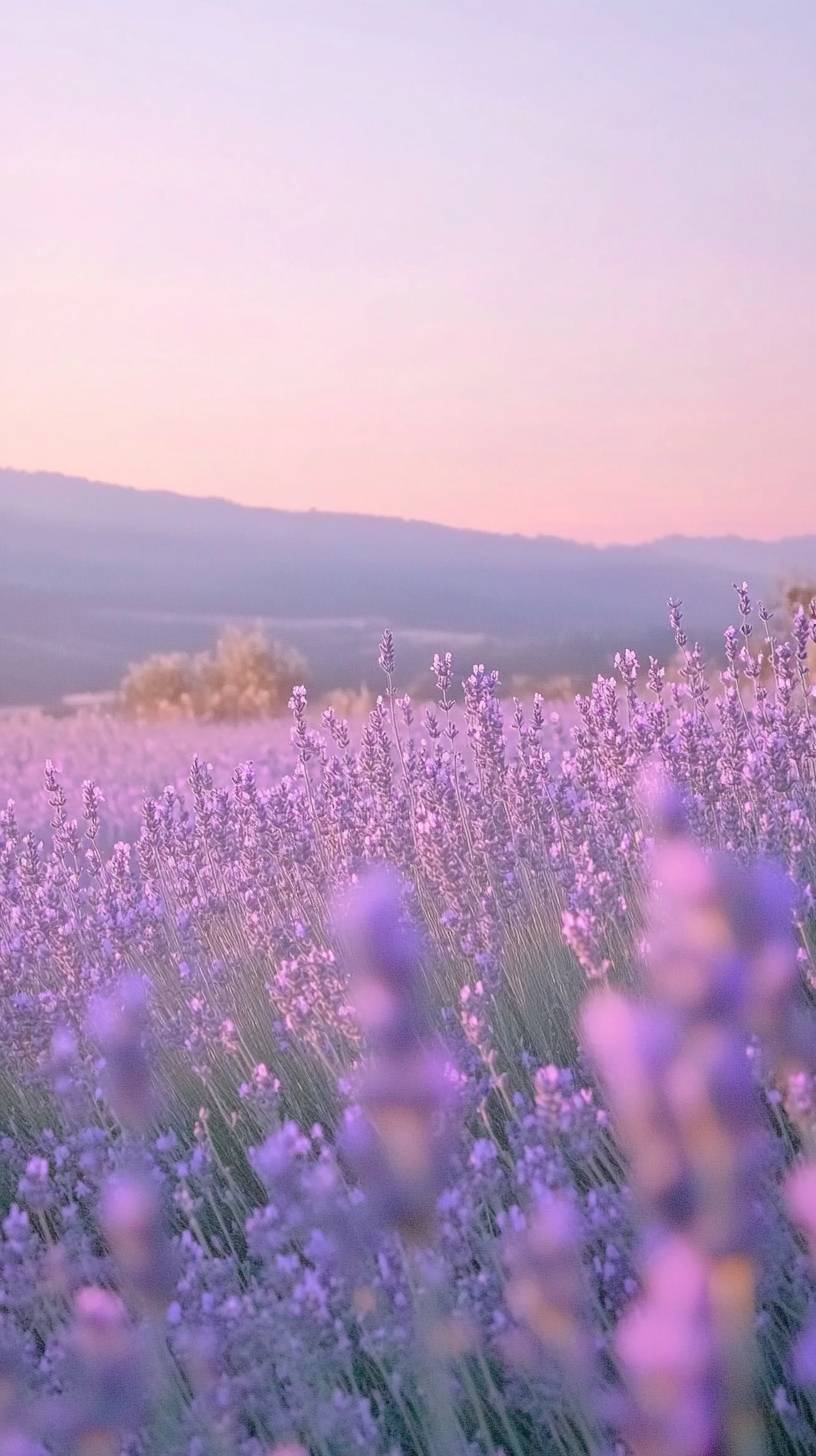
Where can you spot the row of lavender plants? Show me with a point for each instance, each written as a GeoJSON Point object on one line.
{"type": "Point", "coordinates": [506, 1151]}
{"type": "Point", "coordinates": [131, 761]}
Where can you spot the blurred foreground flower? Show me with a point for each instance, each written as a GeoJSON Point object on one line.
{"type": "Point", "coordinates": [106, 1377]}
{"type": "Point", "coordinates": [119, 1023]}
{"type": "Point", "coordinates": [687, 1109]}
{"type": "Point", "coordinates": [397, 1136]}
{"type": "Point", "coordinates": [131, 1219]}
{"type": "Point", "coordinates": [545, 1290]}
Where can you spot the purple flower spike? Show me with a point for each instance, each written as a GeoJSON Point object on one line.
{"type": "Point", "coordinates": [107, 1395]}
{"type": "Point", "coordinates": [131, 1220]}
{"type": "Point", "coordinates": [119, 1023]}
{"type": "Point", "coordinates": [397, 1139]}
{"type": "Point", "coordinates": [545, 1291]}
{"type": "Point", "coordinates": [386, 657]}
{"type": "Point", "coordinates": [383, 953]}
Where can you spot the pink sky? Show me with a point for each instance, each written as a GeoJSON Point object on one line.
{"type": "Point", "coordinates": [539, 266]}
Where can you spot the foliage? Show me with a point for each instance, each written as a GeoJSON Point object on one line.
{"type": "Point", "coordinates": [244, 677]}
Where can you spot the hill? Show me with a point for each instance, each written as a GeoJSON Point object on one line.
{"type": "Point", "coordinates": [93, 575]}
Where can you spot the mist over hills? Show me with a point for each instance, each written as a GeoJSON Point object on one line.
{"type": "Point", "coordinates": [94, 575]}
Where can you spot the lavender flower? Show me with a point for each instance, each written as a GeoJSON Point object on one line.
{"type": "Point", "coordinates": [402, 1217]}
{"type": "Point", "coordinates": [397, 1138]}
{"type": "Point", "coordinates": [130, 1218]}
{"type": "Point", "coordinates": [105, 1375]}
{"type": "Point", "coordinates": [119, 1024]}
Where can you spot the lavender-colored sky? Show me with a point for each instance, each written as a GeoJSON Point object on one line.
{"type": "Point", "coordinates": [545, 267]}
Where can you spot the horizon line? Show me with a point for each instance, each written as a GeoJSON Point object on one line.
{"type": "Point", "coordinates": [245, 506]}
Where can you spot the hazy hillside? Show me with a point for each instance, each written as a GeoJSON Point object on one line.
{"type": "Point", "coordinates": [92, 575]}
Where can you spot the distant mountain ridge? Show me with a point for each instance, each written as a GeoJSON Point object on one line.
{"type": "Point", "coordinates": [93, 575]}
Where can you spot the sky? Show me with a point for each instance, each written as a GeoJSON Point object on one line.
{"type": "Point", "coordinates": [541, 267]}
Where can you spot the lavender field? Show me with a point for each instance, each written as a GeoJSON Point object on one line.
{"type": "Point", "coordinates": [438, 1084]}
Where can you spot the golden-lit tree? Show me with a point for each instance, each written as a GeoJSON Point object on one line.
{"type": "Point", "coordinates": [159, 687]}
{"type": "Point", "coordinates": [244, 676]}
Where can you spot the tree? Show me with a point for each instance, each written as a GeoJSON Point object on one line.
{"type": "Point", "coordinates": [160, 687]}
{"type": "Point", "coordinates": [244, 676]}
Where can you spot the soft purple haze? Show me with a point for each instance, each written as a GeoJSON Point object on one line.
{"type": "Point", "coordinates": [537, 266]}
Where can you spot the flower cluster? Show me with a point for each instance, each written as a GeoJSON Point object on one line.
{"type": "Point", "coordinates": [301, 1154]}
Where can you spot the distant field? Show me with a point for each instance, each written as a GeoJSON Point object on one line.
{"type": "Point", "coordinates": [128, 761]}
